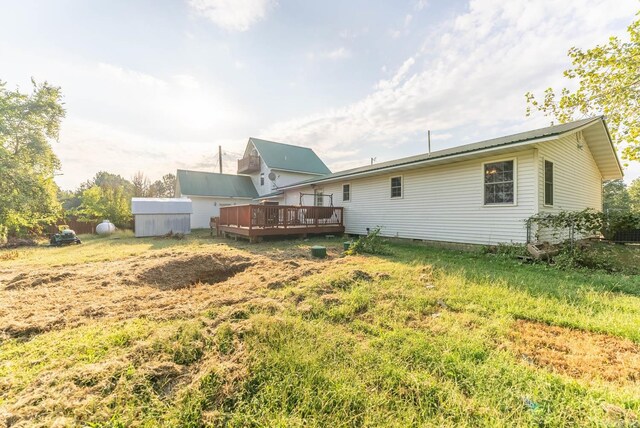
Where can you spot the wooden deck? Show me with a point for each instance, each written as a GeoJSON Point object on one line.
{"type": "Point", "coordinates": [256, 221]}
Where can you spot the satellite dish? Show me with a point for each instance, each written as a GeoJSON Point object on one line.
{"type": "Point", "coordinates": [272, 176]}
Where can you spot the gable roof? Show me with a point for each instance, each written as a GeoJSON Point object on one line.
{"type": "Point", "coordinates": [610, 167]}
{"type": "Point", "coordinates": [198, 183]}
{"type": "Point", "coordinates": [289, 158]}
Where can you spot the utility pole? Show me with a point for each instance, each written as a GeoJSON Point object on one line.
{"type": "Point", "coordinates": [220, 158]}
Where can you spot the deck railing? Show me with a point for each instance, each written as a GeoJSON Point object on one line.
{"type": "Point", "coordinates": [248, 164]}
{"type": "Point", "coordinates": [280, 216]}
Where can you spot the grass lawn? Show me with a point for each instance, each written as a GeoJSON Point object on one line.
{"type": "Point", "coordinates": [205, 332]}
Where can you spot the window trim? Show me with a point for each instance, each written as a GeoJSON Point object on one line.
{"type": "Point", "coordinates": [401, 186]}
{"type": "Point", "coordinates": [316, 193]}
{"type": "Point", "coordinates": [515, 183]}
{"type": "Point", "coordinates": [346, 184]}
{"type": "Point", "coordinates": [544, 182]}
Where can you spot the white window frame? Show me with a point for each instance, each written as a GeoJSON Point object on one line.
{"type": "Point", "coordinates": [343, 199]}
{"type": "Point", "coordinates": [544, 183]}
{"type": "Point", "coordinates": [515, 183]}
{"type": "Point", "coordinates": [318, 195]}
{"type": "Point", "coordinates": [401, 186]}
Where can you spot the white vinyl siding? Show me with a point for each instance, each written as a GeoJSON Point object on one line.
{"type": "Point", "coordinates": [440, 203]}
{"type": "Point", "coordinates": [205, 207]}
{"type": "Point", "coordinates": [264, 185]}
{"type": "Point", "coordinates": [577, 183]}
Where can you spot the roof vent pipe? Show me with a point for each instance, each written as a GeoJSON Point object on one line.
{"type": "Point", "coordinates": [428, 142]}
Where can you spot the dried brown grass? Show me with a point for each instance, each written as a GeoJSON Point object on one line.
{"type": "Point", "coordinates": [577, 353]}
{"type": "Point", "coordinates": [164, 285]}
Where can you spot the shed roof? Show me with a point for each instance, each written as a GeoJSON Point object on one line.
{"type": "Point", "coordinates": [609, 164]}
{"type": "Point", "coordinates": [161, 206]}
{"type": "Point", "coordinates": [198, 183]}
{"type": "Point", "coordinates": [289, 158]}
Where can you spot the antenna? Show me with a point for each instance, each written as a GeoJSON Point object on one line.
{"type": "Point", "coordinates": [220, 157]}
{"type": "Point", "coordinates": [429, 142]}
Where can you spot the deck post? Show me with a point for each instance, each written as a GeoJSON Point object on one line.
{"type": "Point", "coordinates": [286, 215]}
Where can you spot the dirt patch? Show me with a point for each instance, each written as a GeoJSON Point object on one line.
{"type": "Point", "coordinates": [577, 353]}
{"type": "Point", "coordinates": [187, 270]}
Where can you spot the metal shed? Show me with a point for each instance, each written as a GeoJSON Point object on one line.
{"type": "Point", "coordinates": [159, 216]}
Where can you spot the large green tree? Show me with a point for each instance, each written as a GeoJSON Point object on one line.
{"type": "Point", "coordinates": [29, 122]}
{"type": "Point", "coordinates": [608, 83]}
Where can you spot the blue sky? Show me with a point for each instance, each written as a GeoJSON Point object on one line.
{"type": "Point", "coordinates": [158, 85]}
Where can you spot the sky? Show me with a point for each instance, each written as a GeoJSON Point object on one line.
{"type": "Point", "coordinates": [158, 85]}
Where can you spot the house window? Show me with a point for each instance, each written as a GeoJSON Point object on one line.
{"type": "Point", "coordinates": [346, 192]}
{"type": "Point", "coordinates": [318, 198]}
{"type": "Point", "coordinates": [396, 187]}
{"type": "Point", "coordinates": [499, 183]}
{"type": "Point", "coordinates": [548, 182]}
{"type": "Point", "coordinates": [262, 179]}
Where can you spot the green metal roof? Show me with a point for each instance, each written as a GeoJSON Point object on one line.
{"type": "Point", "coordinates": [289, 158]}
{"type": "Point", "coordinates": [522, 137]}
{"type": "Point", "coordinates": [197, 183]}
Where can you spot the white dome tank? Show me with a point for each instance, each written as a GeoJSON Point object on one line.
{"type": "Point", "coordinates": [105, 228]}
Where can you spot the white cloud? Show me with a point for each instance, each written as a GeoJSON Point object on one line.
{"type": "Point", "coordinates": [232, 15]}
{"type": "Point", "coordinates": [471, 72]}
{"type": "Point", "coordinates": [334, 55]}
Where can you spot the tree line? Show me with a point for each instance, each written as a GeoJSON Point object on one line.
{"type": "Point", "coordinates": [30, 199]}
{"type": "Point", "coordinates": [108, 196]}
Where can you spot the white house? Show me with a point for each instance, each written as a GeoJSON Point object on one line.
{"type": "Point", "coordinates": [265, 167]}
{"type": "Point", "coordinates": [479, 193]}
{"type": "Point", "coordinates": [209, 191]}
{"type": "Point", "coordinates": [272, 166]}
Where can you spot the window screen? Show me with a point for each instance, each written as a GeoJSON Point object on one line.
{"type": "Point", "coordinates": [548, 183]}
{"type": "Point", "coordinates": [396, 187]}
{"type": "Point", "coordinates": [498, 183]}
{"type": "Point", "coordinates": [346, 192]}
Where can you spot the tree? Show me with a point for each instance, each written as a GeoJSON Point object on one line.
{"type": "Point", "coordinates": [28, 124]}
{"type": "Point", "coordinates": [141, 185]}
{"type": "Point", "coordinates": [608, 84]}
{"type": "Point", "coordinates": [634, 195]}
{"type": "Point", "coordinates": [616, 197]}
{"type": "Point", "coordinates": [99, 203]}
{"type": "Point", "coordinates": [164, 188]}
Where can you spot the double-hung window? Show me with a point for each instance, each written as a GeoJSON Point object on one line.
{"type": "Point", "coordinates": [548, 182]}
{"type": "Point", "coordinates": [499, 184]}
{"type": "Point", "coordinates": [396, 187]}
{"type": "Point", "coordinates": [346, 192]}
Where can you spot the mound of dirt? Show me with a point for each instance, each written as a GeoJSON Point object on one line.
{"type": "Point", "coordinates": [577, 353]}
{"type": "Point", "coordinates": [187, 270]}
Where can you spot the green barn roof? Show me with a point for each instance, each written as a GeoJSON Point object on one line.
{"type": "Point", "coordinates": [289, 158]}
{"type": "Point", "coordinates": [197, 183]}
